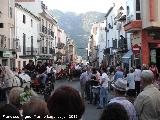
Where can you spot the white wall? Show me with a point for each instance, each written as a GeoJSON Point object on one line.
{"type": "Point", "coordinates": [64, 36]}
{"type": "Point", "coordinates": [101, 35]}
{"type": "Point", "coordinates": [131, 14]}
{"type": "Point", "coordinates": [26, 29]}
{"type": "Point", "coordinates": [112, 33]}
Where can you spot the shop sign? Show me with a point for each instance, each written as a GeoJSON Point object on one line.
{"type": "Point", "coordinates": [136, 49]}
{"type": "Point", "coordinates": [7, 54]}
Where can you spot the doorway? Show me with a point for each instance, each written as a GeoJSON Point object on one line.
{"type": "Point", "coordinates": [158, 58]}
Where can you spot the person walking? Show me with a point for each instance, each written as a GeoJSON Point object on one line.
{"type": "Point", "coordinates": [137, 79]}
{"type": "Point", "coordinates": [85, 76]}
{"type": "Point", "coordinates": [148, 101]}
{"type": "Point", "coordinates": [154, 69]}
{"type": "Point", "coordinates": [103, 89]}
{"type": "Point", "coordinates": [131, 82]}
{"type": "Point", "coordinates": [118, 74]}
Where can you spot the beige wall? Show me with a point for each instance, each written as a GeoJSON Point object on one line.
{"type": "Point", "coordinates": [136, 38]}
{"type": "Point", "coordinates": [145, 10]}
{"type": "Point", "coordinates": [8, 22]}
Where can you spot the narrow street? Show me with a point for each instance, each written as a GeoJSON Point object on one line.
{"type": "Point", "coordinates": [91, 111]}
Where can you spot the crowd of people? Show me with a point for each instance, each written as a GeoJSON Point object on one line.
{"type": "Point", "coordinates": [135, 96]}
{"type": "Point", "coordinates": [64, 103]}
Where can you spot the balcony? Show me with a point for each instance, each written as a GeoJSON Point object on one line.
{"type": "Point", "coordinates": [44, 29]}
{"type": "Point", "coordinates": [133, 26]}
{"type": "Point", "coordinates": [44, 50]}
{"type": "Point", "coordinates": [52, 51]}
{"type": "Point", "coordinates": [30, 51]}
{"type": "Point", "coordinates": [115, 44]}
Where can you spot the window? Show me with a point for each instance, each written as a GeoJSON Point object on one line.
{"type": "Point", "coordinates": [137, 5]}
{"type": "Point", "coordinates": [17, 45]}
{"type": "Point", "coordinates": [31, 23]}
{"type": "Point", "coordinates": [24, 19]}
{"type": "Point", "coordinates": [42, 22]}
{"type": "Point", "coordinates": [1, 25]}
{"type": "Point", "coordinates": [24, 44]}
{"type": "Point", "coordinates": [42, 25]}
{"type": "Point", "coordinates": [10, 12]}
{"type": "Point", "coordinates": [128, 10]}
{"type": "Point", "coordinates": [138, 16]}
{"type": "Point", "coordinates": [24, 63]}
{"type": "Point", "coordinates": [32, 45]}
{"type": "Point", "coordinates": [46, 24]}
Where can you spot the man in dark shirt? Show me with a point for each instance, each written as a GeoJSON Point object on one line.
{"type": "Point", "coordinates": [30, 67]}
{"type": "Point", "coordinates": [41, 69]}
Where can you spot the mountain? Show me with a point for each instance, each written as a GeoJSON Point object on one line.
{"type": "Point", "coordinates": [78, 26]}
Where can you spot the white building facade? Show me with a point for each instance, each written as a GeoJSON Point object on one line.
{"type": "Point", "coordinates": [46, 29]}
{"type": "Point", "coordinates": [101, 38]}
{"type": "Point", "coordinates": [118, 42]}
{"type": "Point", "coordinates": [26, 32]}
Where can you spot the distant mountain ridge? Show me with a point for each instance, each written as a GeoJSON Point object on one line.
{"type": "Point", "coordinates": [78, 26]}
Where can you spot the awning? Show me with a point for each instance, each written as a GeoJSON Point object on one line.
{"type": "Point", "coordinates": [127, 56]}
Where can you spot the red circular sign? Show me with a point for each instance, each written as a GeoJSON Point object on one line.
{"type": "Point", "coordinates": [136, 49]}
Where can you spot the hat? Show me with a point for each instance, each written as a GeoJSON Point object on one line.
{"type": "Point", "coordinates": [120, 84]}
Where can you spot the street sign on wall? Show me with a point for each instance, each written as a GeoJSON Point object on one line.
{"type": "Point", "coordinates": [7, 54]}
{"type": "Point", "coordinates": [136, 49]}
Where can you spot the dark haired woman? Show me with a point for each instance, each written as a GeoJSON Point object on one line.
{"type": "Point", "coordinates": [114, 111]}
{"type": "Point", "coordinates": [66, 103]}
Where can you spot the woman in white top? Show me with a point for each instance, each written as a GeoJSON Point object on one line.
{"type": "Point", "coordinates": [131, 79]}
{"type": "Point", "coordinates": [103, 96]}
{"type": "Point", "coordinates": [137, 78]}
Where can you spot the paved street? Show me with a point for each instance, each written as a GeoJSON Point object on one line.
{"type": "Point", "coordinates": [91, 113]}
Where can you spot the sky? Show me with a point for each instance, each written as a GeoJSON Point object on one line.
{"type": "Point", "coordinates": [79, 6]}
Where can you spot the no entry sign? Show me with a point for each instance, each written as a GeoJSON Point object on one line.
{"type": "Point", "coordinates": [136, 49]}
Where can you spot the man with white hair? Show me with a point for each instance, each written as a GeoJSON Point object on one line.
{"type": "Point", "coordinates": [148, 101]}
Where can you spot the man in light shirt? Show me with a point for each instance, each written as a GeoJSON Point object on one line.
{"type": "Point", "coordinates": [137, 74]}
{"type": "Point", "coordinates": [103, 89]}
{"type": "Point", "coordinates": [148, 101]}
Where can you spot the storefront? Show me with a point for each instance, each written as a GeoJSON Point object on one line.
{"type": "Point", "coordinates": [155, 54]}
{"type": "Point", "coordinates": [7, 58]}
{"type": "Point", "coordinates": [151, 47]}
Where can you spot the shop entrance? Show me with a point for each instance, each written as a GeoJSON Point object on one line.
{"type": "Point", "coordinates": [155, 57]}
{"type": "Point", "coordinates": [158, 58]}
